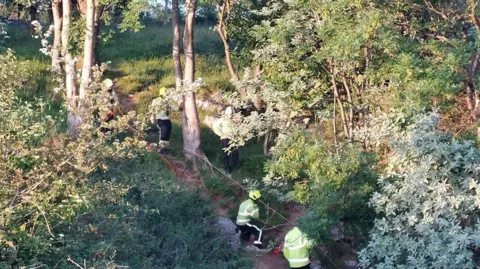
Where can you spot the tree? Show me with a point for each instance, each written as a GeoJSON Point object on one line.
{"type": "Point", "coordinates": [177, 64]}
{"type": "Point", "coordinates": [165, 20]}
{"type": "Point", "coordinates": [57, 37]}
{"type": "Point", "coordinates": [70, 74]}
{"type": "Point", "coordinates": [191, 127]}
{"type": "Point", "coordinates": [223, 13]}
{"type": "Point", "coordinates": [88, 49]}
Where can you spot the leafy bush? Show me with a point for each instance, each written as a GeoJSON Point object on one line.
{"type": "Point", "coordinates": [335, 183]}
{"type": "Point", "coordinates": [428, 201]}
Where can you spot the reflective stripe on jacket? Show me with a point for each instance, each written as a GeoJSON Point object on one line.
{"type": "Point", "coordinates": [296, 248]}
{"type": "Point", "coordinates": [248, 209]}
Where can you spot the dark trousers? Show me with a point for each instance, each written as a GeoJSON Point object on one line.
{"type": "Point", "coordinates": [248, 229]}
{"type": "Point", "coordinates": [230, 159]}
{"type": "Point", "coordinates": [165, 129]}
{"type": "Point", "coordinates": [109, 118]}
{"type": "Point", "coordinates": [303, 267]}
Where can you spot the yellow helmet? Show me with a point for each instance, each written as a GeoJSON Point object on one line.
{"type": "Point", "coordinates": [254, 195]}
{"type": "Point", "coordinates": [162, 91]}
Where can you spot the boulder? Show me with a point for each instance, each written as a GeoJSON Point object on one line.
{"type": "Point", "coordinates": [227, 228]}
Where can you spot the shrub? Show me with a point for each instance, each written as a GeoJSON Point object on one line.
{"type": "Point", "coordinates": [427, 205]}
{"type": "Point", "coordinates": [335, 183]}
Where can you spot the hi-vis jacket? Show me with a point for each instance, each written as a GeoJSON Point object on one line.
{"type": "Point", "coordinates": [161, 109]}
{"type": "Point", "coordinates": [247, 211]}
{"type": "Point", "coordinates": [296, 248]}
{"type": "Point", "coordinates": [223, 127]}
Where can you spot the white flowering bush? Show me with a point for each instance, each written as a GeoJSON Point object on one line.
{"type": "Point", "coordinates": [429, 198]}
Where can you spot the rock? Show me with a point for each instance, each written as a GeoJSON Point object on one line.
{"type": "Point", "coordinates": [337, 231]}
{"type": "Point", "coordinates": [315, 265]}
{"type": "Point", "coordinates": [351, 264]}
{"type": "Point", "coordinates": [227, 228]}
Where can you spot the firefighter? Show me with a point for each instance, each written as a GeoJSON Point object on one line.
{"type": "Point", "coordinates": [162, 120]}
{"type": "Point", "coordinates": [225, 129]}
{"type": "Point", "coordinates": [247, 219]}
{"type": "Point", "coordinates": [296, 249]}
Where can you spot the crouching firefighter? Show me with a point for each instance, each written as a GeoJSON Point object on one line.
{"type": "Point", "coordinates": [247, 219]}
{"type": "Point", "coordinates": [296, 249]}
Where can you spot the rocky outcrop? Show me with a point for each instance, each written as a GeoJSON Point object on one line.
{"type": "Point", "coordinates": [227, 228]}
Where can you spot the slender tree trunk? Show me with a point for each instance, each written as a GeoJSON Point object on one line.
{"type": "Point", "coordinates": [223, 12]}
{"type": "Point", "coordinates": [191, 130]}
{"type": "Point", "coordinates": [88, 49]}
{"type": "Point", "coordinates": [340, 106]}
{"type": "Point", "coordinates": [57, 39]}
{"type": "Point", "coordinates": [334, 121]}
{"type": "Point", "coordinates": [96, 32]}
{"type": "Point", "coordinates": [338, 98]}
{"type": "Point", "coordinates": [165, 21]}
{"type": "Point", "coordinates": [177, 64]}
{"type": "Point", "coordinates": [228, 56]}
{"type": "Point", "coordinates": [471, 71]}
{"type": "Point", "coordinates": [350, 100]}
{"type": "Point", "coordinates": [266, 150]}
{"type": "Point", "coordinates": [72, 118]}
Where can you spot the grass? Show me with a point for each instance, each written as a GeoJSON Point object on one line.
{"type": "Point", "coordinates": [142, 62]}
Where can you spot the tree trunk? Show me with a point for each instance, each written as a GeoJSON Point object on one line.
{"type": "Point", "coordinates": [96, 33]}
{"type": "Point", "coordinates": [177, 64]}
{"type": "Point", "coordinates": [165, 20]}
{"type": "Point", "coordinates": [57, 39]}
{"type": "Point", "coordinates": [340, 106]}
{"type": "Point", "coordinates": [72, 118]}
{"type": "Point", "coordinates": [191, 130]}
{"type": "Point", "coordinates": [228, 57]}
{"type": "Point", "coordinates": [88, 49]}
{"type": "Point", "coordinates": [224, 11]}
{"type": "Point", "coordinates": [350, 100]}
{"type": "Point", "coordinates": [334, 121]}
{"type": "Point", "coordinates": [82, 7]}
{"type": "Point", "coordinates": [266, 150]}
{"type": "Point", "coordinates": [33, 12]}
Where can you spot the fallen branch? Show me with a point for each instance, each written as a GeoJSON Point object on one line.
{"type": "Point", "coordinates": [76, 264]}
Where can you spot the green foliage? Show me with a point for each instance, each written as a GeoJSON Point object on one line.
{"type": "Point", "coordinates": [335, 183]}
{"type": "Point", "coordinates": [427, 205]}
{"type": "Point", "coordinates": [308, 49]}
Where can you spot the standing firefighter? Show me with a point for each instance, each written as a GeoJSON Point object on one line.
{"type": "Point", "coordinates": [225, 129]}
{"type": "Point", "coordinates": [247, 217]}
{"type": "Point", "coordinates": [296, 249]}
{"type": "Point", "coordinates": [162, 119]}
